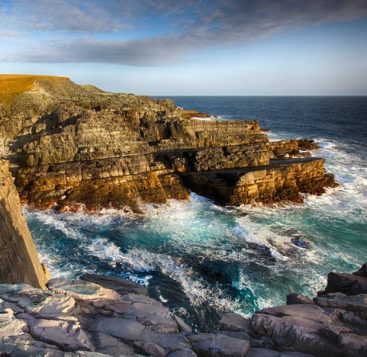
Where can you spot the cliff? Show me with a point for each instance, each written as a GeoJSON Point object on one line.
{"type": "Point", "coordinates": [18, 255]}
{"type": "Point", "coordinates": [104, 316]}
{"type": "Point", "coordinates": [74, 146]}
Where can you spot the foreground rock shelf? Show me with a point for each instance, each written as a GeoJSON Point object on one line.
{"type": "Point", "coordinates": [117, 318]}
{"type": "Point", "coordinates": [73, 146]}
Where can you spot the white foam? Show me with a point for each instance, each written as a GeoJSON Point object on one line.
{"type": "Point", "coordinates": [194, 287]}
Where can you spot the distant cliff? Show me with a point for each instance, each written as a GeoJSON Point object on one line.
{"type": "Point", "coordinates": [18, 255]}
{"type": "Point", "coordinates": [74, 146]}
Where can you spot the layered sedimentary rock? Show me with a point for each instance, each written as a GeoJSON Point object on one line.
{"type": "Point", "coordinates": [18, 256]}
{"type": "Point", "coordinates": [113, 317]}
{"type": "Point", "coordinates": [72, 145]}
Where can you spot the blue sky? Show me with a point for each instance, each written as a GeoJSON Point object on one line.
{"type": "Point", "coordinates": [193, 47]}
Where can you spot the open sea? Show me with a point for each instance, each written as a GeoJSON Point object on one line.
{"type": "Point", "coordinates": [200, 259]}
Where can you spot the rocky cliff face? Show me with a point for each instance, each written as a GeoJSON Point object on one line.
{"type": "Point", "coordinates": [72, 145]}
{"type": "Point", "coordinates": [18, 255]}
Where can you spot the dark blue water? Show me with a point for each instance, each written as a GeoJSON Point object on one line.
{"type": "Point", "coordinates": [200, 259]}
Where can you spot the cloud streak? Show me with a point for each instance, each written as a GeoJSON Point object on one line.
{"type": "Point", "coordinates": [194, 25]}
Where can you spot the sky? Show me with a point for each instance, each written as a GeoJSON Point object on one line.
{"type": "Point", "coordinates": [193, 47]}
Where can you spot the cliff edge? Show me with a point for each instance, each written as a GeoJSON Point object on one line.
{"type": "Point", "coordinates": [18, 255]}
{"type": "Point", "coordinates": [73, 146]}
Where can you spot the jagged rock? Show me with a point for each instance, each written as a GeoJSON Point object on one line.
{"type": "Point", "coordinates": [349, 284]}
{"type": "Point", "coordinates": [298, 299]}
{"type": "Point", "coordinates": [234, 322]}
{"type": "Point", "coordinates": [216, 345]}
{"type": "Point", "coordinates": [119, 285]}
{"type": "Point", "coordinates": [362, 271]}
{"type": "Point", "coordinates": [295, 333]}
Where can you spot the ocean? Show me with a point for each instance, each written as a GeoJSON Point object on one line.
{"type": "Point", "coordinates": [200, 259]}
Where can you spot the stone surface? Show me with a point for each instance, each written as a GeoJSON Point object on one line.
{"type": "Point", "coordinates": [216, 345]}
{"type": "Point", "coordinates": [298, 299]}
{"type": "Point", "coordinates": [121, 286]}
{"type": "Point", "coordinates": [234, 322]}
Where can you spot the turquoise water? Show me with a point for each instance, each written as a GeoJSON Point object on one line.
{"type": "Point", "coordinates": [200, 259]}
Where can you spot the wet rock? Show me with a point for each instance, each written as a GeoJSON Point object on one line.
{"type": "Point", "coordinates": [216, 345]}
{"type": "Point", "coordinates": [182, 326]}
{"type": "Point", "coordinates": [293, 299]}
{"type": "Point", "coordinates": [234, 322]}
{"type": "Point", "coordinates": [362, 271]}
{"type": "Point", "coordinates": [262, 352]}
{"type": "Point", "coordinates": [349, 284]}
{"type": "Point", "coordinates": [119, 285]}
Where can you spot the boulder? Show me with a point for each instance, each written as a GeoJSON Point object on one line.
{"type": "Point", "coordinates": [67, 336]}
{"type": "Point", "coordinates": [294, 299]}
{"type": "Point", "coordinates": [234, 322]}
{"type": "Point", "coordinates": [349, 284]}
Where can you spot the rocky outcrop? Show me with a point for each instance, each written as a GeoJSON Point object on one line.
{"type": "Point", "coordinates": [18, 255]}
{"type": "Point", "coordinates": [279, 181]}
{"type": "Point", "coordinates": [83, 318]}
{"type": "Point", "coordinates": [74, 146]}
{"type": "Point", "coordinates": [332, 324]}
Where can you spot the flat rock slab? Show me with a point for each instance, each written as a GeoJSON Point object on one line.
{"type": "Point", "coordinates": [119, 285]}
{"type": "Point", "coordinates": [67, 336]}
{"type": "Point", "coordinates": [350, 284]}
{"type": "Point", "coordinates": [82, 290]}
{"type": "Point", "coordinates": [304, 311]}
{"type": "Point", "coordinates": [217, 345]}
{"type": "Point", "coordinates": [124, 329]}
{"type": "Point", "coordinates": [234, 322]}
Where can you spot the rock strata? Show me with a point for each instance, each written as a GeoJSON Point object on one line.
{"type": "Point", "coordinates": [74, 147]}
{"type": "Point", "coordinates": [82, 318]}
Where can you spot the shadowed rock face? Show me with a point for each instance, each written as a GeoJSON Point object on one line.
{"type": "Point", "coordinates": [73, 145]}
{"type": "Point", "coordinates": [18, 255]}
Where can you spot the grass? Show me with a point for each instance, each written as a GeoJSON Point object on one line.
{"type": "Point", "coordinates": [13, 84]}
